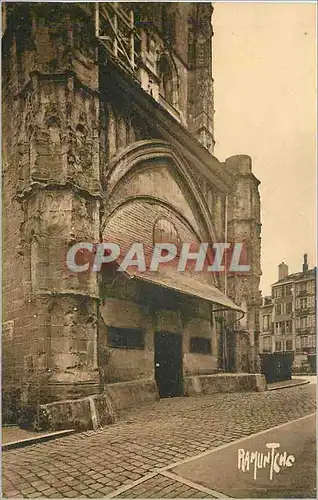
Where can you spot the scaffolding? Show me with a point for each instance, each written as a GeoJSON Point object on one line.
{"type": "Point", "coordinates": [115, 27]}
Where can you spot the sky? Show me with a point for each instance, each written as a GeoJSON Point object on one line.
{"type": "Point", "coordinates": [264, 57]}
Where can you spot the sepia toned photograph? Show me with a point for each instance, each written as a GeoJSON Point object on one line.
{"type": "Point", "coordinates": [159, 250]}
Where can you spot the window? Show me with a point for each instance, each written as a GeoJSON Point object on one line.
{"type": "Point", "coordinates": [266, 323]}
{"type": "Point", "coordinates": [278, 309]}
{"type": "Point", "coordinates": [288, 289]}
{"type": "Point", "coordinates": [289, 345]}
{"type": "Point", "coordinates": [283, 327]}
{"type": "Point", "coordinates": [308, 341]}
{"type": "Point", "coordinates": [267, 344]}
{"type": "Point", "coordinates": [312, 286]}
{"type": "Point", "coordinates": [289, 326]}
{"type": "Point", "coordinates": [278, 346]}
{"type": "Point", "coordinates": [304, 341]}
{"type": "Point", "coordinates": [167, 80]}
{"type": "Point", "coordinates": [303, 303]}
{"type": "Point", "coordinates": [279, 292]}
{"type": "Point", "coordinates": [289, 308]}
{"type": "Point", "coordinates": [129, 338]}
{"type": "Point", "coordinates": [200, 345]}
{"type": "Point", "coordinates": [303, 322]}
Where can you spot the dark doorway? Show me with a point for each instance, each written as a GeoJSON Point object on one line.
{"type": "Point", "coordinates": [168, 364]}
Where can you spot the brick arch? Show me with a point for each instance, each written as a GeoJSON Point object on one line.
{"type": "Point", "coordinates": [152, 200]}
{"type": "Point", "coordinates": [131, 159]}
{"type": "Point", "coordinates": [134, 219]}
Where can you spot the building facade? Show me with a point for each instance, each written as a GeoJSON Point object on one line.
{"type": "Point", "coordinates": [108, 136]}
{"type": "Point", "coordinates": [288, 316]}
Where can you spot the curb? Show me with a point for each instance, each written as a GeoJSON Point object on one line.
{"type": "Point", "coordinates": [288, 386]}
{"type": "Point", "coordinates": [38, 439]}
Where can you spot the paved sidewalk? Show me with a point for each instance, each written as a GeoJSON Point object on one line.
{"type": "Point", "coordinates": [287, 383]}
{"type": "Point", "coordinates": [96, 464]}
{"type": "Point", "coordinates": [312, 379]}
{"type": "Point", "coordinates": [14, 437]}
{"type": "Point", "coordinates": [219, 469]}
{"type": "Point", "coordinates": [14, 433]}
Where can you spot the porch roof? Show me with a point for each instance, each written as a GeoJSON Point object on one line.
{"type": "Point", "coordinates": [186, 283]}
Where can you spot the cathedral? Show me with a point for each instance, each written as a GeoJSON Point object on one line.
{"type": "Point", "coordinates": [108, 135]}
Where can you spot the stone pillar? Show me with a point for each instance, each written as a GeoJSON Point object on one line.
{"type": "Point", "coordinates": [244, 227]}
{"type": "Point", "coordinates": [200, 80]}
{"type": "Point", "coordinates": [54, 74]}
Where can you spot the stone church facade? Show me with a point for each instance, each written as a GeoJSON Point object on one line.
{"type": "Point", "coordinates": [108, 136]}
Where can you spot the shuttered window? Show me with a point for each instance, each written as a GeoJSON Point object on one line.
{"type": "Point", "coordinates": [128, 338]}
{"type": "Point", "coordinates": [200, 345]}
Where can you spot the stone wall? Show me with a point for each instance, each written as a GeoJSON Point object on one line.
{"type": "Point", "coordinates": [228, 382]}
{"type": "Point", "coordinates": [188, 318]}
{"type": "Point", "coordinates": [72, 138]}
{"type": "Point", "coordinates": [244, 226]}
{"type": "Point", "coordinates": [52, 200]}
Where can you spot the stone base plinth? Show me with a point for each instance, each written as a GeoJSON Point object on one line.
{"type": "Point", "coordinates": [224, 382]}
{"type": "Point", "coordinates": [128, 394]}
{"type": "Point", "coordinates": [97, 410]}
{"type": "Point", "coordinates": [91, 412]}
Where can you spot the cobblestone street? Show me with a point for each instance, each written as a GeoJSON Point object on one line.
{"type": "Point", "coordinates": [132, 458]}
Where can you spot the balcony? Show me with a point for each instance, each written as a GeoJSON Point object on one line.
{"type": "Point", "coordinates": [304, 311]}
{"type": "Point", "coordinates": [306, 350]}
{"type": "Point", "coordinates": [116, 29]}
{"type": "Point", "coordinates": [285, 333]}
{"type": "Point", "coordinates": [302, 331]}
{"type": "Point", "coordinates": [282, 317]}
{"type": "Point", "coordinates": [306, 330]}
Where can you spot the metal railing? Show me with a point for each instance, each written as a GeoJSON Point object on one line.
{"type": "Point", "coordinates": [115, 28]}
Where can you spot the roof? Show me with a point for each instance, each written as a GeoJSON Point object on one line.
{"type": "Point", "coordinates": [311, 273]}
{"type": "Point", "coordinates": [188, 284]}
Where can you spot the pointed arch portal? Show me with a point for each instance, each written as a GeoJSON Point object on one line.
{"type": "Point", "coordinates": [151, 193]}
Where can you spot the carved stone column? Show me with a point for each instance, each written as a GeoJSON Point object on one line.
{"type": "Point", "coordinates": [244, 227]}
{"type": "Point", "coordinates": [58, 187]}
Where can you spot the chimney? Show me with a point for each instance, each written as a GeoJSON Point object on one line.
{"type": "Point", "coordinates": [282, 271]}
{"type": "Point", "coordinates": [305, 264]}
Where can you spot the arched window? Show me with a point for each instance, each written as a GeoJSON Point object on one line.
{"type": "Point", "coordinates": [167, 80]}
